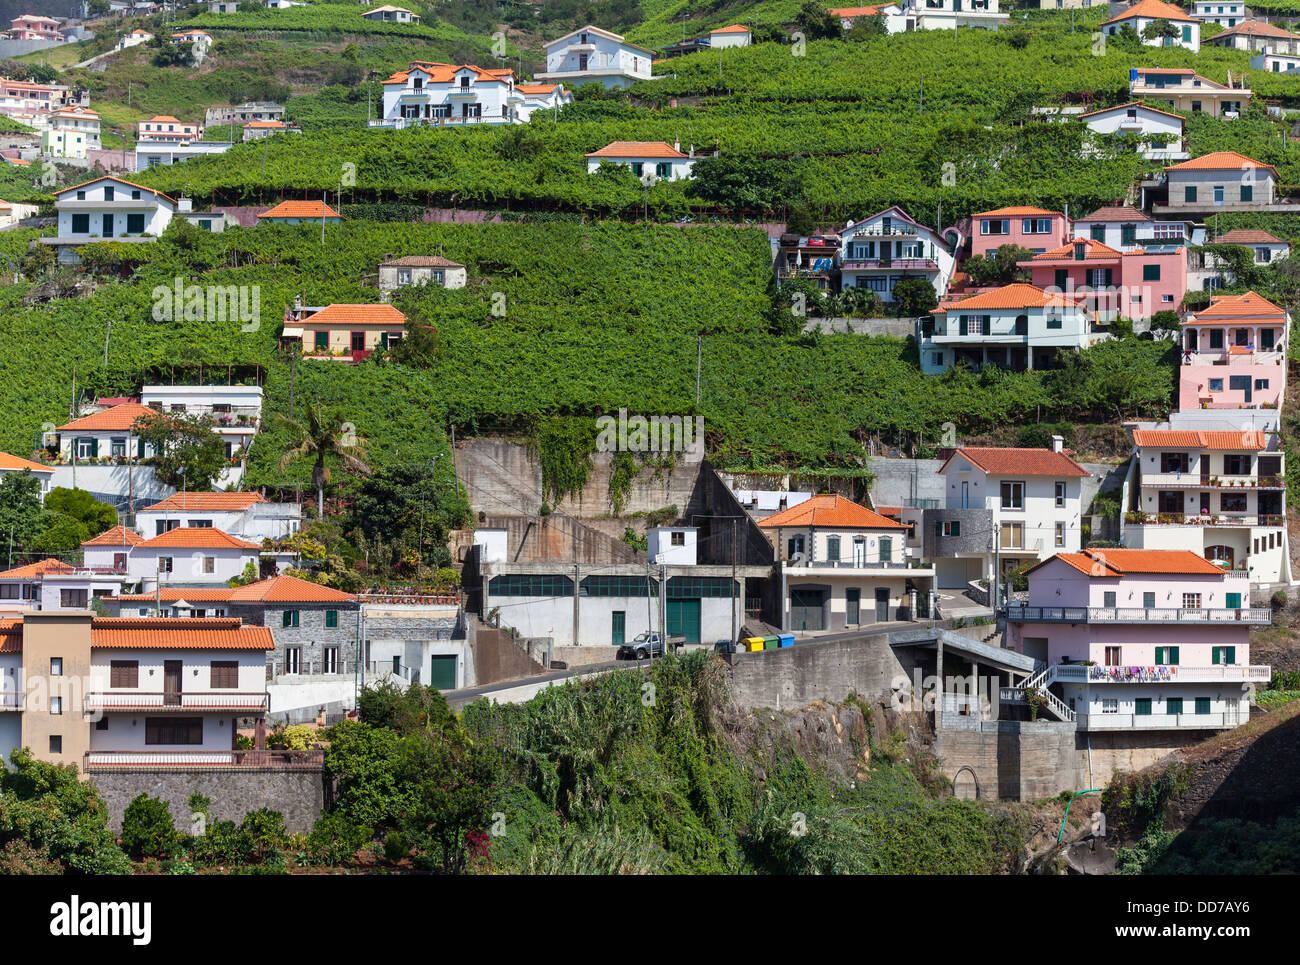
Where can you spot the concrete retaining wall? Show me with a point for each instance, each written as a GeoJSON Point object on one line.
{"type": "Point", "coordinates": [298, 795]}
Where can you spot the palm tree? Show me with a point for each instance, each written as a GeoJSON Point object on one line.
{"type": "Point", "coordinates": [321, 437]}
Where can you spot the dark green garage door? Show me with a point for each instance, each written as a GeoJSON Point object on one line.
{"type": "Point", "coordinates": [684, 619]}
{"type": "Point", "coordinates": [442, 674]}
{"type": "Point", "coordinates": [806, 609]}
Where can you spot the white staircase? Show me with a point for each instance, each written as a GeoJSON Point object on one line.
{"type": "Point", "coordinates": [1041, 681]}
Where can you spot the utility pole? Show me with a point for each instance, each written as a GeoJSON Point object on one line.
{"type": "Point", "coordinates": [733, 583]}
{"type": "Point", "coordinates": [663, 607]}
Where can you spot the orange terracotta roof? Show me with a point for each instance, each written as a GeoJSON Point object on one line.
{"type": "Point", "coordinates": [638, 149]}
{"type": "Point", "coordinates": [1249, 305]}
{"type": "Point", "coordinates": [109, 177]}
{"type": "Point", "coordinates": [160, 118]}
{"type": "Point", "coordinates": [10, 463]}
{"type": "Point", "coordinates": [118, 418]}
{"type": "Point", "coordinates": [1221, 161]}
{"type": "Point", "coordinates": [11, 636]}
{"type": "Point", "coordinates": [1255, 28]}
{"type": "Point", "coordinates": [1116, 213]}
{"type": "Point", "coordinates": [1248, 236]}
{"type": "Point", "coordinates": [41, 568]}
{"type": "Point", "coordinates": [1018, 295]}
{"type": "Point", "coordinates": [1092, 249]}
{"type": "Point", "coordinates": [849, 12]}
{"type": "Point", "coordinates": [198, 537]}
{"type": "Point", "coordinates": [206, 502]}
{"type": "Point", "coordinates": [535, 88]}
{"type": "Point", "coordinates": [117, 536]}
{"type": "Point", "coordinates": [1248, 440]}
{"type": "Point", "coordinates": [1151, 10]}
{"type": "Point", "coordinates": [300, 209]}
{"type": "Point", "coordinates": [829, 510]}
{"type": "Point", "coordinates": [289, 589]}
{"type": "Point", "coordinates": [735, 28]}
{"type": "Point", "coordinates": [346, 315]}
{"type": "Point", "coordinates": [1018, 211]}
{"type": "Point", "coordinates": [178, 633]}
{"type": "Point", "coordinates": [1002, 461]}
{"type": "Point", "coordinates": [266, 124]}
{"type": "Point", "coordinates": [445, 73]}
{"type": "Point", "coordinates": [1112, 563]}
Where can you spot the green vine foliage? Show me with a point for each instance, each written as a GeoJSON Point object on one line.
{"type": "Point", "coordinates": [623, 471]}
{"type": "Point", "coordinates": [564, 447]}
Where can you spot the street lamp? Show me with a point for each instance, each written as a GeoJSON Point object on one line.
{"type": "Point", "coordinates": [648, 181]}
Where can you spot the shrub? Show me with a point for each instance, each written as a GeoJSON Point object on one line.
{"type": "Point", "coordinates": [265, 831]}
{"type": "Point", "coordinates": [148, 830]}
{"type": "Point", "coordinates": [298, 737]}
{"type": "Point", "coordinates": [335, 839]}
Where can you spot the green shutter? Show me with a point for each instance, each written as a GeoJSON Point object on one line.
{"type": "Point", "coordinates": [1202, 705]}
{"type": "Point", "coordinates": [94, 448]}
{"type": "Point", "coordinates": [1174, 705]}
{"type": "Point", "coordinates": [331, 618]}
{"type": "Point", "coordinates": [1189, 192]}
{"type": "Point", "coordinates": [1142, 706]}
{"type": "Point", "coordinates": [1234, 601]}
{"type": "Point", "coordinates": [1247, 192]}
{"type": "Point", "coordinates": [286, 618]}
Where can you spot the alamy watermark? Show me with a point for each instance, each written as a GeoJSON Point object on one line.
{"type": "Point", "coordinates": [652, 434]}
{"type": "Point", "coordinates": [180, 302]}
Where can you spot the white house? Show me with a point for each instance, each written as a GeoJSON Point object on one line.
{"type": "Point", "coordinates": [246, 515]}
{"type": "Point", "coordinates": [1220, 494]}
{"type": "Point", "coordinates": [108, 207]}
{"type": "Point", "coordinates": [52, 584]}
{"type": "Point", "coordinates": [1003, 507]}
{"type": "Point", "coordinates": [151, 153]}
{"type": "Point", "coordinates": [1221, 180]}
{"type": "Point", "coordinates": [438, 94]}
{"type": "Point", "coordinates": [1226, 13]}
{"type": "Point", "coordinates": [883, 249]}
{"type": "Point", "coordinates": [105, 436]}
{"type": "Point", "coordinates": [236, 410]}
{"type": "Point", "coordinates": [1124, 229]}
{"type": "Point", "coordinates": [1144, 13]}
{"type": "Point", "coordinates": [223, 6]}
{"type": "Point", "coordinates": [390, 14]}
{"type": "Point", "coordinates": [1182, 89]}
{"type": "Point", "coordinates": [243, 113]}
{"type": "Point", "coordinates": [416, 270]}
{"type": "Point", "coordinates": [171, 690]}
{"type": "Point", "coordinates": [1257, 36]}
{"type": "Point", "coordinates": [1276, 63]}
{"type": "Point", "coordinates": [952, 14]}
{"type": "Point", "coordinates": [190, 556]}
{"type": "Point", "coordinates": [12, 212]}
{"type": "Point", "coordinates": [892, 12]}
{"type": "Point", "coordinates": [71, 132]}
{"type": "Point", "coordinates": [675, 545]}
{"type": "Point", "coordinates": [134, 39]}
{"type": "Point", "coordinates": [13, 464]}
{"type": "Point", "coordinates": [1012, 327]}
{"type": "Point", "coordinates": [665, 161]}
{"type": "Point", "coordinates": [590, 54]}
{"type": "Point", "coordinates": [1267, 247]}
{"type": "Point", "coordinates": [1160, 132]}
{"type": "Point", "coordinates": [843, 565]}
{"type": "Point", "coordinates": [737, 35]}
{"type": "Point", "coordinates": [164, 127]}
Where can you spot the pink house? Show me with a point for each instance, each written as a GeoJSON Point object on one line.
{"type": "Point", "coordinates": [1139, 640]}
{"type": "Point", "coordinates": [1234, 354]}
{"type": "Point", "coordinates": [1037, 229]}
{"type": "Point", "coordinates": [1119, 284]}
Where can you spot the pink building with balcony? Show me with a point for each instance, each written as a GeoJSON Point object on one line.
{"type": "Point", "coordinates": [1135, 283]}
{"type": "Point", "coordinates": [1037, 229]}
{"type": "Point", "coordinates": [1234, 355]}
{"type": "Point", "coordinates": [1137, 640]}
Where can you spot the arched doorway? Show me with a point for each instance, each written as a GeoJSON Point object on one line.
{"type": "Point", "coordinates": [964, 785]}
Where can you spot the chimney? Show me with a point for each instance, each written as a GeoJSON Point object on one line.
{"type": "Point", "coordinates": [1058, 443]}
{"type": "Point", "coordinates": [677, 145]}
{"type": "Point", "coordinates": [692, 149]}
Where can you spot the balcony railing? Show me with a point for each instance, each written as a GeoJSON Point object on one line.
{"type": "Point", "coordinates": [309, 760]}
{"type": "Point", "coordinates": [851, 564]}
{"type": "Point", "coordinates": [12, 700]}
{"type": "Point", "coordinates": [895, 264]}
{"type": "Point", "coordinates": [1223, 673]}
{"type": "Point", "coordinates": [1158, 721]}
{"type": "Point", "coordinates": [1021, 613]}
{"type": "Point", "coordinates": [1187, 480]}
{"type": "Point", "coordinates": [1236, 520]}
{"type": "Point", "coordinates": [194, 700]}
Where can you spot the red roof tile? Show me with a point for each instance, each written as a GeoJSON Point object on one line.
{"type": "Point", "coordinates": [1249, 305]}
{"type": "Point", "coordinates": [1092, 249]}
{"type": "Point", "coordinates": [117, 536]}
{"type": "Point", "coordinates": [1112, 563]}
{"type": "Point", "coordinates": [1221, 161]}
{"type": "Point", "coordinates": [190, 594]}
{"type": "Point", "coordinates": [10, 463]}
{"type": "Point", "coordinates": [638, 149]}
{"type": "Point", "coordinates": [1248, 440]}
{"type": "Point", "coordinates": [300, 209]}
{"type": "Point", "coordinates": [829, 510]}
{"type": "Point", "coordinates": [197, 537]}
{"type": "Point", "coordinates": [349, 315]}
{"type": "Point", "coordinates": [1151, 10]}
{"type": "Point", "coordinates": [289, 589]}
{"type": "Point", "coordinates": [1018, 295]}
{"type": "Point", "coordinates": [1018, 211]}
{"type": "Point", "coordinates": [119, 418]}
{"type": "Point", "coordinates": [209, 502]}
{"type": "Point", "coordinates": [32, 570]}
{"type": "Point", "coordinates": [1247, 236]}
{"type": "Point", "coordinates": [999, 461]}
{"type": "Point", "coordinates": [178, 633]}
{"type": "Point", "coordinates": [1116, 213]}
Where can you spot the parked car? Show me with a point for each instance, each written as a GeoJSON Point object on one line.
{"type": "Point", "coordinates": [648, 644]}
